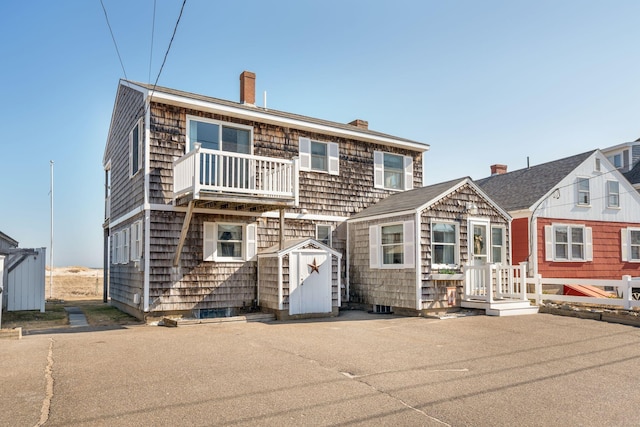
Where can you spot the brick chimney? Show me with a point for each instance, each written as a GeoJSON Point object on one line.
{"type": "Point", "coordinates": [248, 88]}
{"type": "Point", "coordinates": [362, 124]}
{"type": "Point", "coordinates": [498, 169]}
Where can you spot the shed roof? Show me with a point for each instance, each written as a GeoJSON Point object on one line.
{"type": "Point", "coordinates": [8, 239]}
{"type": "Point", "coordinates": [411, 200]}
{"type": "Point", "coordinates": [522, 188]}
{"type": "Point", "coordinates": [275, 114]}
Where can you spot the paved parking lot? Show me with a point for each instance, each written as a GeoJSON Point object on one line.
{"type": "Point", "coordinates": [357, 369]}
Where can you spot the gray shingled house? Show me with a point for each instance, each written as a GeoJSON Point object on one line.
{"type": "Point", "coordinates": [197, 187]}
{"type": "Point", "coordinates": [407, 252]}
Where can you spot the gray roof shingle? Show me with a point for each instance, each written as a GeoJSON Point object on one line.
{"type": "Point", "coordinates": [522, 188]}
{"type": "Point", "coordinates": [633, 176]}
{"type": "Point", "coordinates": [409, 200]}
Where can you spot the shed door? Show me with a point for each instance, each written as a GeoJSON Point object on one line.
{"type": "Point", "coordinates": [310, 282]}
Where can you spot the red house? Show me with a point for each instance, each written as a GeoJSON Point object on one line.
{"type": "Point", "coordinates": [576, 217]}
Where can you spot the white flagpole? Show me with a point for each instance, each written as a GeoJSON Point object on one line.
{"type": "Point", "coordinates": [51, 247]}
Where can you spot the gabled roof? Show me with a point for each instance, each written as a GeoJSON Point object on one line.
{"type": "Point", "coordinates": [419, 199]}
{"type": "Point", "coordinates": [295, 244]}
{"type": "Point", "coordinates": [633, 176]}
{"type": "Point", "coordinates": [252, 112]}
{"type": "Point", "coordinates": [522, 188]}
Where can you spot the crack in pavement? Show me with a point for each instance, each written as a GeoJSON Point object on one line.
{"type": "Point", "coordinates": [48, 375]}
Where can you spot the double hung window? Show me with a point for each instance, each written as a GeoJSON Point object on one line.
{"type": "Point", "coordinates": [583, 192]}
{"type": "Point", "coordinates": [319, 156]}
{"type": "Point", "coordinates": [630, 244]}
{"type": "Point", "coordinates": [392, 245]}
{"type": "Point", "coordinates": [444, 244]}
{"type": "Point", "coordinates": [613, 194]}
{"type": "Point", "coordinates": [568, 243]}
{"type": "Point", "coordinates": [229, 242]}
{"type": "Point", "coordinates": [392, 171]}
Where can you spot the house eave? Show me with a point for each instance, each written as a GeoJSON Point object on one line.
{"type": "Point", "coordinates": [263, 116]}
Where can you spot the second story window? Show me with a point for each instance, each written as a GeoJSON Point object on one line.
{"type": "Point", "coordinates": [392, 171]}
{"type": "Point", "coordinates": [213, 135]}
{"type": "Point", "coordinates": [319, 156]}
{"type": "Point", "coordinates": [613, 194]}
{"type": "Point", "coordinates": [583, 192]}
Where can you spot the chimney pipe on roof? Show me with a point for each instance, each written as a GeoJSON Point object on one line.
{"type": "Point", "coordinates": [248, 88]}
{"type": "Point", "coordinates": [498, 169]}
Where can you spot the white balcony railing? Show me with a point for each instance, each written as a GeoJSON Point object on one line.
{"type": "Point", "coordinates": [211, 171]}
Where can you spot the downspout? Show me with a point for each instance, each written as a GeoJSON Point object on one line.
{"type": "Point", "coordinates": [346, 268]}
{"type": "Point", "coordinates": [533, 233]}
{"type": "Point", "coordinates": [418, 260]}
{"type": "Point", "coordinates": [147, 206]}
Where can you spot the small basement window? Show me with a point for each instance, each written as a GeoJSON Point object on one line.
{"type": "Point", "coordinates": [382, 309]}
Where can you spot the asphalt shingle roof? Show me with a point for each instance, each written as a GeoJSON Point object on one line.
{"type": "Point", "coordinates": [633, 176]}
{"type": "Point", "coordinates": [520, 189]}
{"type": "Point", "coordinates": [275, 113]}
{"type": "Point", "coordinates": [409, 200]}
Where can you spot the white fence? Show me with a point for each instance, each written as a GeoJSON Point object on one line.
{"type": "Point", "coordinates": [493, 282]}
{"type": "Point", "coordinates": [222, 171]}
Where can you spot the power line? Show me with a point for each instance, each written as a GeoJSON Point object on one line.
{"type": "Point", "coordinates": [168, 47]}
{"type": "Point", "coordinates": [153, 27]}
{"type": "Point", "coordinates": [114, 39]}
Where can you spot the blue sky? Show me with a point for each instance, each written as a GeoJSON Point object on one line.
{"type": "Point", "coordinates": [482, 82]}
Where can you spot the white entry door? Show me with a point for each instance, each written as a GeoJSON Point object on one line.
{"type": "Point", "coordinates": [309, 282]}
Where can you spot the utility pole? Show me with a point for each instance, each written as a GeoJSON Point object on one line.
{"type": "Point", "coordinates": [51, 247]}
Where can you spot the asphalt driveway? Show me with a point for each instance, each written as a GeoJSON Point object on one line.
{"type": "Point", "coordinates": [357, 369]}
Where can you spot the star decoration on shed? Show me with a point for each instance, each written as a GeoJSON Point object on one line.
{"type": "Point", "coordinates": [314, 267]}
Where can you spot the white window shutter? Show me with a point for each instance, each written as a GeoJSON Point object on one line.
{"type": "Point", "coordinates": [548, 243]}
{"type": "Point", "coordinates": [409, 244]}
{"type": "Point", "coordinates": [588, 244]}
{"type": "Point", "coordinates": [251, 247]}
{"type": "Point", "coordinates": [304, 150]}
{"type": "Point", "coordinates": [334, 158]}
{"type": "Point", "coordinates": [408, 173]}
{"type": "Point", "coordinates": [378, 169]}
{"type": "Point", "coordinates": [209, 241]}
{"type": "Point", "coordinates": [624, 239]}
{"type": "Point", "coordinates": [140, 143]}
{"type": "Point", "coordinates": [374, 247]}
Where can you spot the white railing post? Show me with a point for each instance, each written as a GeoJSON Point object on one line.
{"type": "Point", "coordinates": [296, 180]}
{"type": "Point", "coordinates": [523, 280]}
{"type": "Point", "coordinates": [499, 280]}
{"type": "Point", "coordinates": [196, 171]}
{"type": "Point", "coordinates": [489, 278]}
{"type": "Point", "coordinates": [538, 288]}
{"type": "Point", "coordinates": [626, 291]}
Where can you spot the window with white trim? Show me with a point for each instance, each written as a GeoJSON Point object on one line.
{"type": "Point", "coordinates": [630, 238]}
{"type": "Point", "coordinates": [571, 243]}
{"type": "Point", "coordinates": [323, 234]}
{"type": "Point", "coordinates": [444, 244]}
{"type": "Point", "coordinates": [228, 241]}
{"type": "Point", "coordinates": [498, 245]}
{"type": "Point", "coordinates": [115, 252]}
{"type": "Point", "coordinates": [392, 245]}
{"type": "Point", "coordinates": [135, 148]}
{"type": "Point", "coordinates": [583, 192]}
{"type": "Point", "coordinates": [392, 171]}
{"type": "Point", "coordinates": [216, 135]}
{"type": "Point", "coordinates": [319, 156]}
{"type": "Point", "coordinates": [613, 194]}
{"type": "Point", "coordinates": [136, 241]}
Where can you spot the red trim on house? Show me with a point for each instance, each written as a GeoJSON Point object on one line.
{"type": "Point", "coordinates": [520, 240]}
{"type": "Point", "coordinates": [607, 258]}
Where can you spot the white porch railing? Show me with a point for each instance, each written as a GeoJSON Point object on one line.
{"type": "Point", "coordinates": [624, 295]}
{"type": "Point", "coordinates": [492, 282]}
{"type": "Point", "coordinates": [221, 171]}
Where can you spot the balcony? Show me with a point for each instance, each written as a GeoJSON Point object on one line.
{"type": "Point", "coordinates": [220, 178]}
